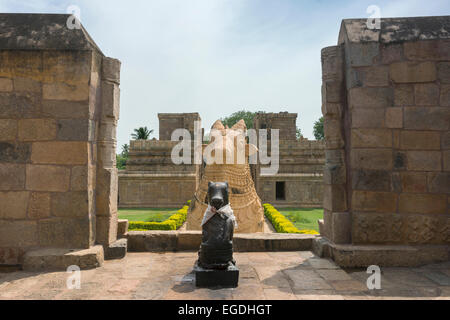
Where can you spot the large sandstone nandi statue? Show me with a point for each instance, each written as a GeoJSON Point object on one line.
{"type": "Point", "coordinates": [229, 145]}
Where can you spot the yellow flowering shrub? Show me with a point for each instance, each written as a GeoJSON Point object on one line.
{"type": "Point", "coordinates": [172, 223]}
{"type": "Point", "coordinates": [281, 223]}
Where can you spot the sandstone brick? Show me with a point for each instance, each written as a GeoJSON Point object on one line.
{"type": "Point", "coordinates": [15, 152]}
{"type": "Point", "coordinates": [369, 201]}
{"type": "Point", "coordinates": [371, 180]}
{"type": "Point", "coordinates": [66, 109]}
{"type": "Point", "coordinates": [334, 198]}
{"type": "Point", "coordinates": [424, 160]}
{"type": "Point", "coordinates": [6, 85]}
{"type": "Point", "coordinates": [334, 157]}
{"type": "Point", "coordinates": [367, 138]}
{"type": "Point", "coordinates": [445, 140]}
{"type": "Point", "coordinates": [410, 72]}
{"type": "Point", "coordinates": [63, 91]}
{"type": "Point", "coordinates": [75, 130]}
{"type": "Point", "coordinates": [27, 85]}
{"type": "Point", "coordinates": [39, 206]}
{"type": "Point", "coordinates": [37, 129]}
{"type": "Point", "coordinates": [425, 203]}
{"type": "Point", "coordinates": [334, 174]}
{"type": "Point", "coordinates": [394, 117]}
{"type": "Point", "coordinates": [341, 227]}
{"type": "Point", "coordinates": [333, 133]}
{"type": "Point", "coordinates": [18, 233]}
{"type": "Point", "coordinates": [426, 94]}
{"type": "Point", "coordinates": [354, 78]}
{"type": "Point", "coordinates": [79, 178]}
{"type": "Point", "coordinates": [14, 204]}
{"type": "Point", "coordinates": [446, 160]}
{"type": "Point", "coordinates": [400, 160]}
{"type": "Point", "coordinates": [444, 99]}
{"type": "Point", "coordinates": [106, 229]}
{"type": "Point", "coordinates": [415, 182]}
{"type": "Point", "coordinates": [56, 152]}
{"type": "Point", "coordinates": [427, 50]}
{"type": "Point", "coordinates": [404, 95]}
{"type": "Point", "coordinates": [70, 204]}
{"type": "Point", "coordinates": [377, 76]}
{"type": "Point", "coordinates": [396, 139]}
{"type": "Point", "coordinates": [391, 53]}
{"type": "Point", "coordinates": [8, 129]}
{"type": "Point", "coordinates": [361, 54]}
{"type": "Point", "coordinates": [64, 232]}
{"type": "Point", "coordinates": [371, 97]}
{"type": "Point", "coordinates": [47, 178]}
{"type": "Point", "coordinates": [110, 100]}
{"type": "Point", "coordinates": [376, 159]}
{"type": "Point", "coordinates": [420, 140]}
{"type": "Point", "coordinates": [67, 67]}
{"type": "Point", "coordinates": [20, 105]}
{"type": "Point", "coordinates": [439, 182]}
{"type": "Point", "coordinates": [443, 71]}
{"type": "Point", "coordinates": [368, 118]}
{"type": "Point", "coordinates": [425, 118]}
{"type": "Point", "coordinates": [332, 110]}
{"type": "Point", "coordinates": [111, 69]}
{"type": "Point", "coordinates": [107, 192]}
{"type": "Point", "coordinates": [12, 176]}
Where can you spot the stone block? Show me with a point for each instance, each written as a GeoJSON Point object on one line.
{"type": "Point", "coordinates": [57, 152]}
{"type": "Point", "coordinates": [391, 53]}
{"type": "Point", "coordinates": [376, 76]}
{"type": "Point", "coordinates": [371, 97]}
{"type": "Point", "coordinates": [79, 178]}
{"type": "Point", "coordinates": [420, 140]}
{"type": "Point", "coordinates": [335, 198]}
{"type": "Point", "coordinates": [334, 174]}
{"type": "Point", "coordinates": [335, 156]}
{"type": "Point", "coordinates": [376, 159]}
{"type": "Point", "coordinates": [333, 134]}
{"type": "Point", "coordinates": [424, 160]}
{"type": "Point", "coordinates": [426, 118]}
{"type": "Point", "coordinates": [443, 71]}
{"type": "Point", "coordinates": [67, 92]}
{"type": "Point", "coordinates": [66, 109]}
{"type": "Point", "coordinates": [8, 128]}
{"type": "Point", "coordinates": [76, 130]}
{"type": "Point", "coordinates": [332, 110]}
{"type": "Point", "coordinates": [37, 129]}
{"type": "Point", "coordinates": [444, 100]}
{"type": "Point", "coordinates": [20, 105]}
{"type": "Point", "coordinates": [371, 180]}
{"type": "Point", "coordinates": [107, 192]}
{"type": "Point", "coordinates": [367, 118]}
{"type": "Point", "coordinates": [71, 204]}
{"type": "Point", "coordinates": [6, 85]}
{"type": "Point", "coordinates": [111, 69]}
{"type": "Point", "coordinates": [446, 160]}
{"type": "Point", "coordinates": [189, 240]}
{"type": "Point", "coordinates": [439, 182]}
{"type": "Point", "coordinates": [12, 177]}
{"type": "Point", "coordinates": [110, 100]}
{"type": "Point", "coordinates": [371, 138]}
{"type": "Point", "coordinates": [154, 241]}
{"type": "Point", "coordinates": [15, 152]}
{"type": "Point", "coordinates": [411, 72]}
{"type": "Point", "coordinates": [403, 95]}
{"type": "Point", "coordinates": [361, 54]}
{"type": "Point", "coordinates": [18, 233]}
{"type": "Point", "coordinates": [106, 229]}
{"type": "Point", "coordinates": [47, 178]}
{"type": "Point", "coordinates": [424, 203]}
{"type": "Point", "coordinates": [116, 250]}
{"type": "Point", "coordinates": [14, 204]}
{"type": "Point", "coordinates": [39, 207]}
{"type": "Point", "coordinates": [64, 232]}
{"type": "Point", "coordinates": [122, 227]}
{"type": "Point", "coordinates": [400, 160]}
{"type": "Point", "coordinates": [369, 201]}
{"type": "Point", "coordinates": [445, 140]}
{"type": "Point", "coordinates": [426, 94]}
{"type": "Point", "coordinates": [414, 182]}
{"type": "Point", "coordinates": [227, 278]}
{"type": "Point", "coordinates": [394, 117]}
{"type": "Point", "coordinates": [341, 227]}
{"type": "Point", "coordinates": [27, 85]}
{"type": "Point", "coordinates": [427, 50]}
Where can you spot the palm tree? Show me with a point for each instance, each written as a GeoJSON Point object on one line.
{"type": "Point", "coordinates": [141, 133]}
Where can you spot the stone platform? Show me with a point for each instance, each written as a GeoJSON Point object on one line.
{"type": "Point", "coordinates": [208, 278]}
{"type": "Point", "coordinates": [263, 275]}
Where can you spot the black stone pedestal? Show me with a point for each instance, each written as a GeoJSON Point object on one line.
{"type": "Point", "coordinates": [216, 277]}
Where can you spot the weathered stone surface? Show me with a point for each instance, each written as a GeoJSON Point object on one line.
{"type": "Point", "coordinates": [361, 54]}
{"type": "Point", "coordinates": [65, 232]}
{"type": "Point", "coordinates": [12, 176]}
{"type": "Point", "coordinates": [70, 204]}
{"type": "Point", "coordinates": [37, 129]}
{"type": "Point", "coordinates": [443, 70]}
{"type": "Point", "coordinates": [439, 182]}
{"type": "Point", "coordinates": [377, 159]}
{"type": "Point", "coordinates": [66, 109]}
{"type": "Point", "coordinates": [341, 227]}
{"type": "Point", "coordinates": [394, 117]}
{"type": "Point", "coordinates": [424, 160]}
{"type": "Point", "coordinates": [422, 203]}
{"type": "Point", "coordinates": [414, 182]}
{"type": "Point", "coordinates": [403, 95]}
{"type": "Point", "coordinates": [391, 53]}
{"type": "Point", "coordinates": [334, 174]}
{"type": "Point", "coordinates": [376, 76]}
{"type": "Point", "coordinates": [106, 229]}
{"type": "Point", "coordinates": [371, 180]}
{"type": "Point", "coordinates": [189, 240]}
{"type": "Point", "coordinates": [335, 198]}
{"type": "Point", "coordinates": [368, 201]}
{"type": "Point", "coordinates": [107, 193]}
{"type": "Point", "coordinates": [6, 85]}
{"type": "Point", "coordinates": [425, 118]}
{"type": "Point", "coordinates": [8, 128]}
{"type": "Point", "coordinates": [18, 233]}
{"type": "Point", "coordinates": [367, 138]}
{"type": "Point", "coordinates": [426, 94]}
{"type": "Point", "coordinates": [368, 118]}
{"type": "Point", "coordinates": [427, 50]}
{"type": "Point", "coordinates": [122, 227]}
{"type": "Point", "coordinates": [75, 130]}
{"type": "Point", "coordinates": [445, 96]}
{"type": "Point", "coordinates": [56, 152]}
{"type": "Point", "coordinates": [20, 105]}
{"type": "Point", "coordinates": [445, 140]}
{"type": "Point", "coordinates": [420, 140]}
{"type": "Point", "coordinates": [47, 178]}
{"type": "Point", "coordinates": [14, 204]}
{"type": "Point", "coordinates": [371, 97]}
{"type": "Point", "coordinates": [446, 160]}
{"type": "Point", "coordinates": [110, 100]}
{"type": "Point", "coordinates": [15, 152]}
{"type": "Point", "coordinates": [27, 85]}
{"type": "Point", "coordinates": [111, 69]}
{"type": "Point", "coordinates": [79, 180]}
{"type": "Point", "coordinates": [116, 250]}
{"type": "Point", "coordinates": [39, 206]}
{"type": "Point", "coordinates": [63, 91]}
{"type": "Point", "coordinates": [215, 277]}
{"type": "Point", "coordinates": [410, 72]}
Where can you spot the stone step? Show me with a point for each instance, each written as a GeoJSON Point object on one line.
{"type": "Point", "coordinates": [160, 241]}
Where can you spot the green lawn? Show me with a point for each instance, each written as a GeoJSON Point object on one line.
{"type": "Point", "coordinates": [146, 214]}
{"type": "Point", "coordinates": [303, 218]}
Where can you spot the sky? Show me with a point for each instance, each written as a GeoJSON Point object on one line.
{"type": "Point", "coordinates": [216, 57]}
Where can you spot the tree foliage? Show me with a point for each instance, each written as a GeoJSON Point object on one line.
{"type": "Point", "coordinates": [298, 133]}
{"type": "Point", "coordinates": [121, 158]}
{"type": "Point", "coordinates": [142, 133]}
{"type": "Point", "coordinates": [238, 115]}
{"type": "Point", "coordinates": [318, 129]}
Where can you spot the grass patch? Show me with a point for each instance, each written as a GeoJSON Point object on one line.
{"type": "Point", "coordinates": [303, 218]}
{"type": "Point", "coordinates": [146, 214]}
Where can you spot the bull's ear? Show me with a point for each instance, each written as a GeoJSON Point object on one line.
{"type": "Point", "coordinates": [250, 149]}
{"type": "Point", "coordinates": [210, 184]}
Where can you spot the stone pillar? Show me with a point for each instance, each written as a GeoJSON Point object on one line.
{"type": "Point", "coordinates": [107, 180]}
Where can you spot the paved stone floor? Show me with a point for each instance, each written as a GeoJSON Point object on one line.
{"type": "Point", "coordinates": [265, 275]}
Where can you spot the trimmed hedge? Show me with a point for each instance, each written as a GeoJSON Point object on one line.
{"type": "Point", "coordinates": [172, 223]}
{"type": "Point", "coordinates": [281, 223]}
